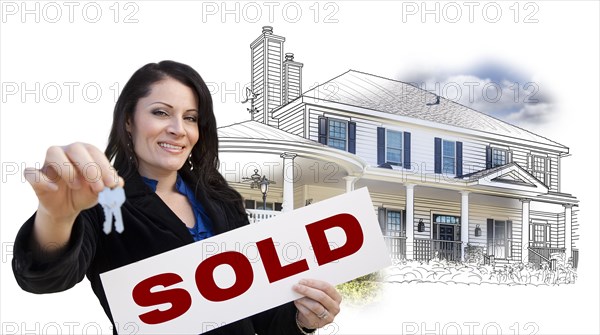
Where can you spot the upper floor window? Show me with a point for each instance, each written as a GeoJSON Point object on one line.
{"type": "Point", "coordinates": [495, 156]}
{"type": "Point", "coordinates": [499, 157]}
{"type": "Point", "coordinates": [393, 147]}
{"type": "Point", "coordinates": [448, 157]}
{"type": "Point", "coordinates": [538, 168]}
{"type": "Point", "coordinates": [337, 135]}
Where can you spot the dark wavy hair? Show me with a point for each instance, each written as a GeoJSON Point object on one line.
{"type": "Point", "coordinates": [223, 204]}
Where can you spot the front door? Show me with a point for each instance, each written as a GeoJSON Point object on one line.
{"type": "Point", "coordinates": [446, 234]}
{"type": "Point", "coordinates": [500, 239]}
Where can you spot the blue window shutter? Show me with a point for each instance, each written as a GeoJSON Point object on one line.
{"type": "Point", "coordinates": [406, 150]}
{"type": "Point", "coordinates": [352, 137]}
{"type": "Point", "coordinates": [490, 236]}
{"type": "Point", "coordinates": [381, 215]}
{"type": "Point", "coordinates": [438, 155]}
{"type": "Point", "coordinates": [459, 159]}
{"type": "Point", "coordinates": [380, 145]}
{"type": "Point", "coordinates": [488, 157]}
{"type": "Point", "coordinates": [323, 125]}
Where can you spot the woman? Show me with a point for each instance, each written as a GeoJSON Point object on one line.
{"type": "Point", "coordinates": [164, 145]}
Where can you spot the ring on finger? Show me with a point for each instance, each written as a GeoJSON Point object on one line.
{"type": "Point", "coordinates": [324, 314]}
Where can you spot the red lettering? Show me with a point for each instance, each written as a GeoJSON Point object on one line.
{"type": "Point", "coordinates": [320, 244]}
{"type": "Point", "coordinates": [206, 282]}
{"type": "Point", "coordinates": [270, 260]}
{"type": "Point", "coordinates": [179, 298]}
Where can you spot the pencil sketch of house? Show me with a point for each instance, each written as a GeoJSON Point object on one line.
{"type": "Point", "coordinates": [443, 178]}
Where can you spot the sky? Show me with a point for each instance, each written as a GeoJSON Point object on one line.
{"type": "Point", "coordinates": [532, 64]}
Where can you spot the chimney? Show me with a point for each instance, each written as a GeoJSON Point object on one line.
{"type": "Point", "coordinates": [292, 79]}
{"type": "Point", "coordinates": [266, 65]}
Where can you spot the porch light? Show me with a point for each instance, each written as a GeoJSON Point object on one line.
{"type": "Point", "coordinates": [477, 231]}
{"type": "Point", "coordinates": [421, 226]}
{"type": "Point", "coordinates": [263, 183]}
{"type": "Point", "coordinates": [264, 188]}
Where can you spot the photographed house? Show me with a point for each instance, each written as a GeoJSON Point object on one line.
{"type": "Point", "coordinates": [444, 178]}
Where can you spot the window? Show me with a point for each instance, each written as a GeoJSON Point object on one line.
{"type": "Point", "coordinates": [394, 223]}
{"type": "Point", "coordinates": [253, 204]}
{"type": "Point", "coordinates": [447, 219]}
{"type": "Point", "coordinates": [538, 168]}
{"type": "Point", "coordinates": [499, 238]}
{"type": "Point", "coordinates": [249, 204]}
{"type": "Point", "coordinates": [391, 222]}
{"type": "Point", "coordinates": [539, 234]}
{"type": "Point", "coordinates": [336, 136]}
{"type": "Point", "coordinates": [446, 227]}
{"type": "Point", "coordinates": [448, 157]}
{"type": "Point", "coordinates": [393, 147]}
{"type": "Point", "coordinates": [499, 157]}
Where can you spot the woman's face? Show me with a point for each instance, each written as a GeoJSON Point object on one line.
{"type": "Point", "coordinates": [164, 128]}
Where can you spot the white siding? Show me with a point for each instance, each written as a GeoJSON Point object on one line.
{"type": "Point", "coordinates": [292, 121]}
{"type": "Point", "coordinates": [425, 207]}
{"type": "Point", "coordinates": [422, 141]}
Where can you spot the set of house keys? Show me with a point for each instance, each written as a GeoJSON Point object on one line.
{"type": "Point", "coordinates": [111, 201]}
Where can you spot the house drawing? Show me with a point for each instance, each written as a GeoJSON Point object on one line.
{"type": "Point", "coordinates": [443, 177]}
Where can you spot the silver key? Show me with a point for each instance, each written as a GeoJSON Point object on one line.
{"type": "Point", "coordinates": [111, 201]}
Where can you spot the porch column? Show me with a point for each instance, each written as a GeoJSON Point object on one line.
{"type": "Point", "coordinates": [288, 181]}
{"type": "Point", "coordinates": [568, 230]}
{"type": "Point", "coordinates": [525, 230]}
{"type": "Point", "coordinates": [464, 223]}
{"type": "Point", "coordinates": [410, 220]}
{"type": "Point", "coordinates": [350, 180]}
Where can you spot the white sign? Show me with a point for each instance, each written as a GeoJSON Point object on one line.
{"type": "Point", "coordinates": [237, 274]}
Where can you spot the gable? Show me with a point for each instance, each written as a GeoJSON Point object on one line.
{"type": "Point", "coordinates": [513, 177]}
{"type": "Point", "coordinates": [509, 176]}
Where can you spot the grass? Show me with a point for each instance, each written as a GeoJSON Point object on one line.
{"type": "Point", "coordinates": [362, 290]}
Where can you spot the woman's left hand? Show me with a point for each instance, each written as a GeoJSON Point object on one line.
{"type": "Point", "coordinates": [320, 304]}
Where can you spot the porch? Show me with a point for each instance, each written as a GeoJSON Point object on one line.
{"type": "Point", "coordinates": [424, 249]}
{"type": "Point", "coordinates": [257, 215]}
{"type": "Point", "coordinates": [551, 257]}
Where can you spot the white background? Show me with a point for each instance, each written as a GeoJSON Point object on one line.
{"type": "Point", "coordinates": [559, 53]}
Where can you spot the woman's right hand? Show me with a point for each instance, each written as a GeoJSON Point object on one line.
{"type": "Point", "coordinates": [68, 182]}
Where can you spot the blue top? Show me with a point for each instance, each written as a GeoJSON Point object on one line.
{"type": "Point", "coordinates": [201, 228]}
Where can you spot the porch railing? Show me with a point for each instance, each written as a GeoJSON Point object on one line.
{"type": "Point", "coordinates": [575, 258]}
{"type": "Point", "coordinates": [257, 215]}
{"type": "Point", "coordinates": [426, 249]}
{"type": "Point", "coordinates": [396, 246]}
{"type": "Point", "coordinates": [537, 255]}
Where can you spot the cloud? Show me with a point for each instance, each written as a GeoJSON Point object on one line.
{"type": "Point", "coordinates": [494, 90]}
{"type": "Point", "coordinates": [532, 114]}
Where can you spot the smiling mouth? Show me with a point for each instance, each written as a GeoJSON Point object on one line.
{"type": "Point", "coordinates": [170, 147]}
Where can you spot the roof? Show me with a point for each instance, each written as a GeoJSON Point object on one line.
{"type": "Point", "coordinates": [381, 94]}
{"type": "Point", "coordinates": [260, 131]}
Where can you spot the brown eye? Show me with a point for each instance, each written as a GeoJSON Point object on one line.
{"type": "Point", "coordinates": [159, 112]}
